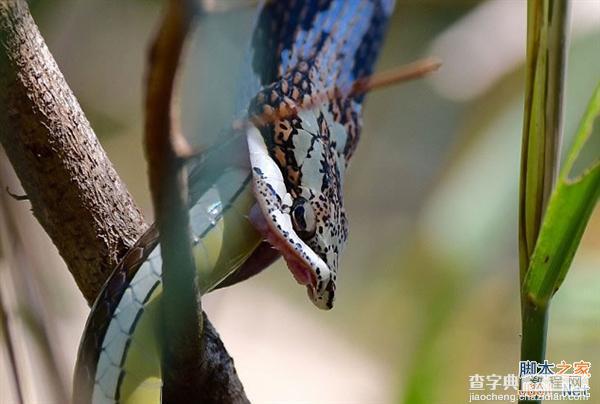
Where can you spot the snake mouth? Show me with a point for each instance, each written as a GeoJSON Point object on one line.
{"type": "Point", "coordinates": [298, 267]}
{"type": "Point", "coordinates": [309, 271]}
{"type": "Point", "coordinates": [270, 216]}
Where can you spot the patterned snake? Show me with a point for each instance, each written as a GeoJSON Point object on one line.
{"type": "Point", "coordinates": [287, 196]}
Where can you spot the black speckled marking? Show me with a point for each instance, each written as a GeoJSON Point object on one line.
{"type": "Point", "coordinates": [322, 49]}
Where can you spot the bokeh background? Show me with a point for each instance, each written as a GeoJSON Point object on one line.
{"type": "Point", "coordinates": [428, 291]}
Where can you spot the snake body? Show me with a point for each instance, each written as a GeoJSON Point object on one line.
{"type": "Point", "coordinates": [289, 194]}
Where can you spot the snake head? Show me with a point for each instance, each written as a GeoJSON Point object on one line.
{"type": "Point", "coordinates": [298, 165]}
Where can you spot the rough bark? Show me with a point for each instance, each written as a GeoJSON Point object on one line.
{"type": "Point", "coordinates": [74, 190]}
{"type": "Point", "coordinates": [219, 379]}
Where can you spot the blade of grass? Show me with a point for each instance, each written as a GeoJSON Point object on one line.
{"type": "Point", "coordinates": [568, 213]}
{"type": "Point", "coordinates": [542, 127]}
{"type": "Point", "coordinates": [542, 132]}
{"type": "Point", "coordinates": [569, 210]}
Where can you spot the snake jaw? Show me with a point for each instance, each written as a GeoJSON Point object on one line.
{"type": "Point", "coordinates": [301, 265]}
{"type": "Point", "coordinates": [271, 218]}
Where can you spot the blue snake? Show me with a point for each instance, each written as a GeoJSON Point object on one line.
{"type": "Point", "coordinates": [285, 200]}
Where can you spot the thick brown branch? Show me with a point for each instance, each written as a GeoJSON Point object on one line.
{"type": "Point", "coordinates": [74, 190]}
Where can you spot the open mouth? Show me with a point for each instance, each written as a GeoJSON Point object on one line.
{"type": "Point", "coordinates": [315, 275]}
{"type": "Point", "coordinates": [271, 218]}
{"type": "Point", "coordinates": [302, 273]}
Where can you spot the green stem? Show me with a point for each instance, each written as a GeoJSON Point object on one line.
{"type": "Point", "coordinates": [534, 323]}
{"type": "Point", "coordinates": [542, 126]}
{"type": "Point", "coordinates": [542, 132]}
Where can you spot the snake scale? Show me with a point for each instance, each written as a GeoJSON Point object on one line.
{"type": "Point", "coordinates": [287, 200]}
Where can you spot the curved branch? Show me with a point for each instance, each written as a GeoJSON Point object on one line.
{"type": "Point", "coordinates": [181, 324]}
{"type": "Point", "coordinates": [195, 364]}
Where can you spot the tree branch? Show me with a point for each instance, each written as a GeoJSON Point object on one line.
{"type": "Point", "coordinates": [74, 190]}
{"type": "Point", "coordinates": [181, 324]}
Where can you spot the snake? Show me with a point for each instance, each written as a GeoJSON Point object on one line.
{"type": "Point", "coordinates": [272, 188]}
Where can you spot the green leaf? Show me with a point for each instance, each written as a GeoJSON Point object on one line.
{"type": "Point", "coordinates": [567, 215]}
{"type": "Point", "coordinates": [542, 125]}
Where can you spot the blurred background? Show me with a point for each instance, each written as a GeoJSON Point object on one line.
{"type": "Point", "coordinates": [428, 289]}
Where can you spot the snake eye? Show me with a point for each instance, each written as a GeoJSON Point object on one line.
{"type": "Point", "coordinates": [303, 219]}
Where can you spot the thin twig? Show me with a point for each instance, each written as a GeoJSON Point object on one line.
{"type": "Point", "coordinates": [411, 71]}
{"type": "Point", "coordinates": [17, 197]}
{"type": "Point", "coordinates": [377, 81]}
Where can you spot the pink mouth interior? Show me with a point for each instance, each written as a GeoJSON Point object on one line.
{"type": "Point", "coordinates": [301, 272]}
